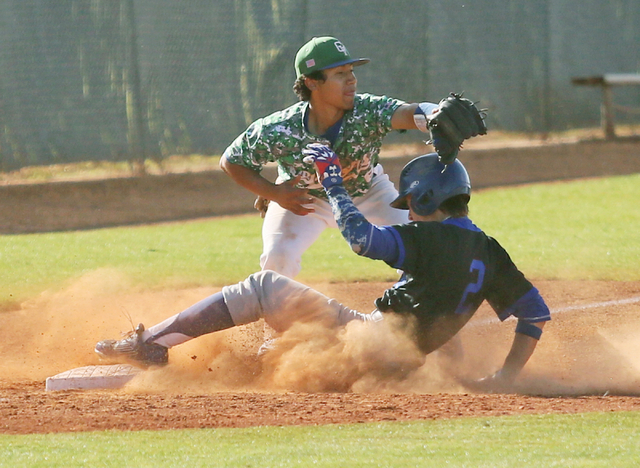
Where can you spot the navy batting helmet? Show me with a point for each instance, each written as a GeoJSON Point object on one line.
{"type": "Point", "coordinates": [430, 183]}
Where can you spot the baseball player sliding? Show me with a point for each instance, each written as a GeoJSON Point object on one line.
{"type": "Point", "coordinates": [331, 113]}
{"type": "Point", "coordinates": [450, 267]}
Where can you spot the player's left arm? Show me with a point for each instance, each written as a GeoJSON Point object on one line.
{"type": "Point", "coordinates": [404, 116]}
{"type": "Point", "coordinates": [448, 123]}
{"type": "Point", "coordinates": [364, 238]}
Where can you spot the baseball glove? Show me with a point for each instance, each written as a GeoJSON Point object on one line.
{"type": "Point", "coordinates": [455, 120]}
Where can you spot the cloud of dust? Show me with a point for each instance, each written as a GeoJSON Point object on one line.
{"type": "Point", "coordinates": [312, 355]}
{"type": "Point", "coordinates": [577, 355]}
{"type": "Point", "coordinates": [605, 362]}
{"type": "Point", "coordinates": [308, 357]}
{"type": "Point", "coordinates": [55, 331]}
{"type": "Point", "coordinates": [222, 361]}
{"type": "Point", "coordinates": [58, 330]}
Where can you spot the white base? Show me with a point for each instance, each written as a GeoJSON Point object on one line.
{"type": "Point", "coordinates": [93, 377]}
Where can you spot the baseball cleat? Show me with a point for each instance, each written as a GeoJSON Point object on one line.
{"type": "Point", "coordinates": [131, 348]}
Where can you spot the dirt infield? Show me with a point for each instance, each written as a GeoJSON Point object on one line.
{"type": "Point", "coordinates": [587, 360]}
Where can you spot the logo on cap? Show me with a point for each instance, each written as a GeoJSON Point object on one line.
{"type": "Point", "coordinates": [341, 48]}
{"type": "Point", "coordinates": [310, 63]}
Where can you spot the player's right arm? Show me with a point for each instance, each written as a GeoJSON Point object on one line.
{"type": "Point", "coordinates": [287, 195]}
{"type": "Point", "coordinates": [522, 348]}
{"type": "Point", "coordinates": [243, 161]}
{"type": "Point", "coordinates": [513, 295]}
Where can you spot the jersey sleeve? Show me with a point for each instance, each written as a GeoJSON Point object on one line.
{"type": "Point", "coordinates": [364, 238]}
{"type": "Point", "coordinates": [510, 293]}
{"type": "Point", "coordinates": [249, 149]}
{"type": "Point", "coordinates": [530, 308]}
{"type": "Point", "coordinates": [378, 111]}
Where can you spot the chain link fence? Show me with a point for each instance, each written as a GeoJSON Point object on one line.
{"type": "Point", "coordinates": [84, 80]}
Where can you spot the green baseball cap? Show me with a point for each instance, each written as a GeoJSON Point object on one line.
{"type": "Point", "coordinates": [324, 52]}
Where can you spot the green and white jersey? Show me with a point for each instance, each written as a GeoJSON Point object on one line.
{"type": "Point", "coordinates": [281, 137]}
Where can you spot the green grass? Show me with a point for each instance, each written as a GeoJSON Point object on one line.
{"type": "Point", "coordinates": [582, 229]}
{"type": "Point", "coordinates": [577, 230]}
{"type": "Point", "coordinates": [209, 252]}
{"type": "Point", "coordinates": [583, 440]}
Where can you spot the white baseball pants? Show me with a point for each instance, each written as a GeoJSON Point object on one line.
{"type": "Point", "coordinates": [287, 236]}
{"type": "Point", "coordinates": [281, 301]}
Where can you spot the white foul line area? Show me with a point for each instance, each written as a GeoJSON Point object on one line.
{"type": "Point", "coordinates": [593, 305]}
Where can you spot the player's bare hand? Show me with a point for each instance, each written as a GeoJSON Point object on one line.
{"type": "Point", "coordinates": [261, 204]}
{"type": "Point", "coordinates": [495, 383]}
{"type": "Point", "coordinates": [292, 198]}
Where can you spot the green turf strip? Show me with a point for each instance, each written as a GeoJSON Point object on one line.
{"type": "Point", "coordinates": [583, 440]}
{"type": "Point", "coordinates": [576, 230]}
{"type": "Point", "coordinates": [583, 229]}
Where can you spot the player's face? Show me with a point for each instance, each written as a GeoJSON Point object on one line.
{"type": "Point", "coordinates": [339, 89]}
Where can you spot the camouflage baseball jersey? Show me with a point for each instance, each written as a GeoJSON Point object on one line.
{"type": "Point", "coordinates": [281, 136]}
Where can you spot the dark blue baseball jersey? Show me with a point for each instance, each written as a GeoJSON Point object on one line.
{"type": "Point", "coordinates": [449, 267]}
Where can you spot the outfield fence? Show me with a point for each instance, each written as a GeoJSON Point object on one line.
{"type": "Point", "coordinates": [134, 79]}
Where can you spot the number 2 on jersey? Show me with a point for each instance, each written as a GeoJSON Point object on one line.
{"type": "Point", "coordinates": [476, 265]}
